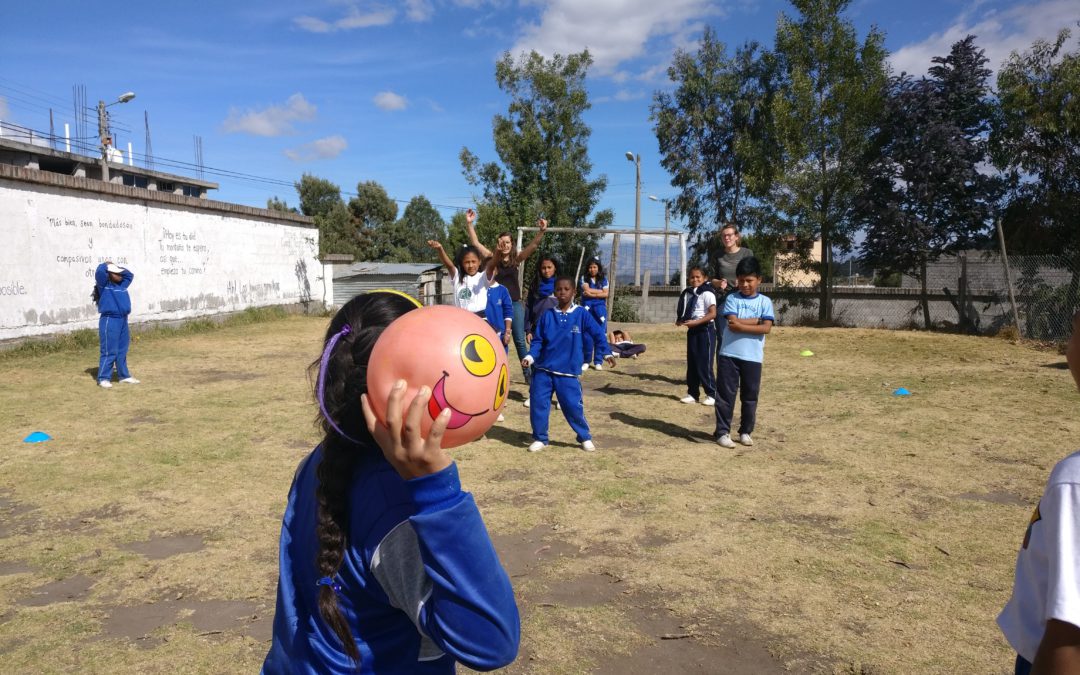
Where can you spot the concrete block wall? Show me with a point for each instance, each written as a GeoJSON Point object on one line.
{"type": "Point", "coordinates": [191, 257]}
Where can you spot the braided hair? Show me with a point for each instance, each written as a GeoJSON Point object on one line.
{"type": "Point", "coordinates": [346, 441]}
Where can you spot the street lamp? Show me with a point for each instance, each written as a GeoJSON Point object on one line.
{"type": "Point", "coordinates": [667, 212]}
{"type": "Point", "coordinates": [636, 159]}
{"type": "Point", "coordinates": [103, 130]}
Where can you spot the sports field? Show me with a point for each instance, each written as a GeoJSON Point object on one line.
{"type": "Point", "coordinates": [862, 533]}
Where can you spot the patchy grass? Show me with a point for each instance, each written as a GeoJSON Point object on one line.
{"type": "Point", "coordinates": [862, 532]}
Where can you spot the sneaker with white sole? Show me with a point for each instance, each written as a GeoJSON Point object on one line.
{"type": "Point", "coordinates": [725, 441]}
{"type": "Point", "coordinates": [709, 400]}
{"type": "Point", "coordinates": [584, 367]}
{"type": "Point", "coordinates": [745, 439]}
{"type": "Point", "coordinates": [526, 403]}
{"type": "Point", "coordinates": [537, 446]}
{"type": "Point", "coordinates": [105, 384]}
{"type": "Point", "coordinates": [500, 418]}
{"type": "Point", "coordinates": [599, 366]}
{"type": "Point", "coordinates": [129, 380]}
{"type": "Point", "coordinates": [558, 406]}
{"type": "Point", "coordinates": [688, 399]}
{"type": "Point", "coordinates": [588, 446]}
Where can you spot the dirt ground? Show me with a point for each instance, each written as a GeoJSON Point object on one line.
{"type": "Point", "coordinates": [863, 532]}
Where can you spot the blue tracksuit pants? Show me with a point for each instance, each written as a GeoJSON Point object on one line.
{"type": "Point", "coordinates": [114, 338]}
{"type": "Point", "coordinates": [744, 377]}
{"type": "Point", "coordinates": [568, 392]}
{"type": "Point", "coordinates": [700, 349]}
{"type": "Point", "coordinates": [517, 329]}
{"type": "Point", "coordinates": [592, 355]}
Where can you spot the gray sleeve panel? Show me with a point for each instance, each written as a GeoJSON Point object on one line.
{"type": "Point", "coordinates": [399, 569]}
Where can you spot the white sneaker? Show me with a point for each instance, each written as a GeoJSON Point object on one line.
{"type": "Point", "coordinates": [709, 400]}
{"type": "Point", "coordinates": [588, 446]}
{"type": "Point", "coordinates": [129, 380]}
{"type": "Point", "coordinates": [688, 399]}
{"type": "Point", "coordinates": [537, 446]}
{"type": "Point", "coordinates": [598, 367]}
{"type": "Point", "coordinates": [725, 441]}
{"type": "Point", "coordinates": [500, 418]}
{"type": "Point", "coordinates": [745, 439]}
{"type": "Point", "coordinates": [558, 406]}
{"type": "Point", "coordinates": [105, 384]}
{"type": "Point", "coordinates": [526, 403]}
{"type": "Point", "coordinates": [584, 367]}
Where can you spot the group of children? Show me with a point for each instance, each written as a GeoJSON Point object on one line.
{"type": "Point", "coordinates": [736, 336]}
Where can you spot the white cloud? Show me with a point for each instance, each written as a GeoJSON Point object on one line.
{"type": "Point", "coordinates": [354, 18]}
{"type": "Point", "coordinates": [614, 31]}
{"type": "Point", "coordinates": [275, 120]}
{"type": "Point", "coordinates": [997, 32]}
{"type": "Point", "coordinates": [419, 10]}
{"type": "Point", "coordinates": [323, 148]}
{"type": "Point", "coordinates": [388, 100]}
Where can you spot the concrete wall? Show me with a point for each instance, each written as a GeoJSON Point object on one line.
{"type": "Point", "coordinates": [191, 257]}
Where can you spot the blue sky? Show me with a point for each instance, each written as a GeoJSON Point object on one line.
{"type": "Point", "coordinates": [354, 90]}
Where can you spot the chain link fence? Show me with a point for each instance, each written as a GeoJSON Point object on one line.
{"type": "Point", "coordinates": [968, 293]}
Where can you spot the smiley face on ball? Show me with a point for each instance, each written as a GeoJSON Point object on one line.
{"type": "Point", "coordinates": [457, 355]}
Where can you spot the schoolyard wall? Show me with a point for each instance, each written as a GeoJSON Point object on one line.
{"type": "Point", "coordinates": [191, 257]}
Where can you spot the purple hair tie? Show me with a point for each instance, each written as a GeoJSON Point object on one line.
{"type": "Point", "coordinates": [320, 385]}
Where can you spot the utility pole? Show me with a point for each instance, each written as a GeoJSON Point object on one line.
{"type": "Point", "coordinates": [103, 130]}
{"type": "Point", "coordinates": [667, 219]}
{"type": "Point", "coordinates": [636, 159]}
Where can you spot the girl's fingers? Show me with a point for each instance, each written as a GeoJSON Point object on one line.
{"type": "Point", "coordinates": [369, 414]}
{"type": "Point", "coordinates": [393, 406]}
{"type": "Point", "coordinates": [438, 427]}
{"type": "Point", "coordinates": [411, 432]}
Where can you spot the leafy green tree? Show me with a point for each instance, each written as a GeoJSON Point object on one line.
{"type": "Point", "coordinates": [826, 107]}
{"type": "Point", "coordinates": [372, 209]}
{"type": "Point", "coordinates": [1036, 142]}
{"type": "Point", "coordinates": [275, 204]}
{"type": "Point", "coordinates": [321, 199]}
{"type": "Point", "coordinates": [405, 240]}
{"type": "Point", "coordinates": [715, 131]}
{"type": "Point", "coordinates": [925, 195]}
{"type": "Point", "coordinates": [543, 164]}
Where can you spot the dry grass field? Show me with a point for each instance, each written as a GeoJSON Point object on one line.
{"type": "Point", "coordinates": [862, 533]}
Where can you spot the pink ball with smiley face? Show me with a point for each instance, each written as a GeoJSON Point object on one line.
{"type": "Point", "coordinates": [457, 355]}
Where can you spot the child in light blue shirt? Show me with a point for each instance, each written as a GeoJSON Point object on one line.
{"type": "Point", "coordinates": [749, 317]}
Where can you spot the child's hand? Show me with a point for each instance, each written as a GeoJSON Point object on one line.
{"type": "Point", "coordinates": [723, 284]}
{"type": "Point", "coordinates": [506, 337]}
{"type": "Point", "coordinates": [470, 216]}
{"type": "Point", "coordinates": [408, 452]}
{"type": "Point", "coordinates": [679, 322]}
{"type": "Point", "coordinates": [733, 324]}
{"type": "Point", "coordinates": [610, 360]}
{"type": "Point", "coordinates": [542, 224]}
{"type": "Point", "coordinates": [434, 244]}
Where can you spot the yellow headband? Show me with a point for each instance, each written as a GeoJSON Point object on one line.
{"type": "Point", "coordinates": [397, 292]}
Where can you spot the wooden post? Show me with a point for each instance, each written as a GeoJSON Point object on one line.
{"type": "Point", "coordinates": [645, 295]}
{"type": "Point", "coordinates": [613, 273]}
{"type": "Point", "coordinates": [961, 294]}
{"type": "Point", "coordinates": [1008, 278]}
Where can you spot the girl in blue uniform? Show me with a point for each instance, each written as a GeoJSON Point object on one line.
{"type": "Point", "coordinates": [111, 295]}
{"type": "Point", "coordinates": [385, 564]}
{"type": "Point", "coordinates": [594, 293]}
{"type": "Point", "coordinates": [555, 358]}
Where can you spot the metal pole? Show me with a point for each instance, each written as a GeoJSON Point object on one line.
{"type": "Point", "coordinates": [103, 131]}
{"type": "Point", "coordinates": [682, 260]}
{"type": "Point", "coordinates": [667, 267]}
{"type": "Point", "coordinates": [637, 221]}
{"type": "Point", "coordinates": [613, 272]}
{"type": "Point", "coordinates": [1008, 278]}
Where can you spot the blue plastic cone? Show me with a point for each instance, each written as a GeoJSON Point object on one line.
{"type": "Point", "coordinates": [901, 392]}
{"type": "Point", "coordinates": [37, 437]}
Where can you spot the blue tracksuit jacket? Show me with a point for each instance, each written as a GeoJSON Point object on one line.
{"type": "Point", "coordinates": [421, 584]}
{"type": "Point", "coordinates": [499, 308]}
{"type": "Point", "coordinates": [114, 337]}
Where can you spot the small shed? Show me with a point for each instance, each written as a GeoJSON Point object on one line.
{"type": "Point", "coordinates": [410, 278]}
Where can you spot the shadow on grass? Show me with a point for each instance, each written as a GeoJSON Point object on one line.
{"type": "Point", "coordinates": [92, 372]}
{"type": "Point", "coordinates": [651, 376]}
{"type": "Point", "coordinates": [1064, 365]}
{"type": "Point", "coordinates": [608, 389]}
{"type": "Point", "coordinates": [512, 437]}
{"type": "Point", "coordinates": [660, 426]}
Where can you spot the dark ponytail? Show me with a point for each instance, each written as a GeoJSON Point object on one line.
{"type": "Point", "coordinates": [96, 293]}
{"type": "Point", "coordinates": [345, 379]}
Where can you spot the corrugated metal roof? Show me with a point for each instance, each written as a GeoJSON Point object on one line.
{"type": "Point", "coordinates": [389, 269]}
{"type": "Point", "coordinates": [346, 290]}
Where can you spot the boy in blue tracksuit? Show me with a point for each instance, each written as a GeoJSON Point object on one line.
{"type": "Point", "coordinates": [555, 358]}
{"type": "Point", "coordinates": [111, 295]}
{"type": "Point", "coordinates": [499, 312]}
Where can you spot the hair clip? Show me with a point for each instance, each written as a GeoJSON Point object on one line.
{"type": "Point", "coordinates": [329, 581]}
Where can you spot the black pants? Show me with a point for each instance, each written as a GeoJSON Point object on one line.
{"type": "Point", "coordinates": [736, 375]}
{"type": "Point", "coordinates": [700, 347]}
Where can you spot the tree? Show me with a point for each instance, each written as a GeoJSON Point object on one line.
{"type": "Point", "coordinates": [715, 131]}
{"type": "Point", "coordinates": [321, 199]}
{"type": "Point", "coordinates": [405, 240]}
{"type": "Point", "coordinates": [275, 204]}
{"type": "Point", "coordinates": [826, 106]}
{"type": "Point", "coordinates": [1036, 141]}
{"type": "Point", "coordinates": [925, 195]}
{"type": "Point", "coordinates": [543, 164]}
{"type": "Point", "coordinates": [372, 209]}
